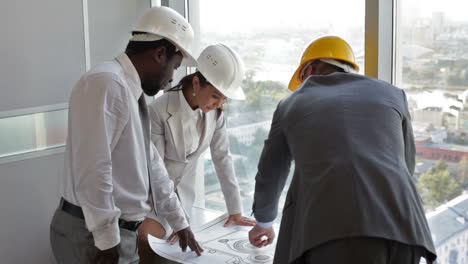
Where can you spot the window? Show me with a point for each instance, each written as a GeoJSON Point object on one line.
{"type": "Point", "coordinates": [430, 63]}
{"type": "Point", "coordinates": [26, 133]}
{"type": "Point", "coordinates": [432, 66]}
{"type": "Point", "coordinates": [269, 36]}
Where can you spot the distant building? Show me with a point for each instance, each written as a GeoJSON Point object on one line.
{"type": "Point", "coordinates": [436, 116]}
{"type": "Point", "coordinates": [432, 115]}
{"type": "Point", "coordinates": [449, 228]}
{"type": "Point", "coordinates": [246, 125]}
{"type": "Point", "coordinates": [464, 97]}
{"type": "Point", "coordinates": [246, 133]}
{"type": "Point", "coordinates": [451, 118]}
{"type": "Point", "coordinates": [450, 121]}
{"type": "Point", "coordinates": [463, 120]}
{"type": "Point", "coordinates": [437, 134]}
{"type": "Point", "coordinates": [438, 23]}
{"type": "Point", "coordinates": [426, 149]}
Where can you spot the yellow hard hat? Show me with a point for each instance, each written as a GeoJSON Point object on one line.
{"type": "Point", "coordinates": [329, 47]}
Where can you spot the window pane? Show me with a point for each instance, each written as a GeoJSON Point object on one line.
{"type": "Point", "coordinates": [432, 66]}
{"type": "Point", "coordinates": [33, 132]}
{"type": "Point", "coordinates": [269, 36]}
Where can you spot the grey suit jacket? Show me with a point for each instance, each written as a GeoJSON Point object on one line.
{"type": "Point", "coordinates": [352, 142]}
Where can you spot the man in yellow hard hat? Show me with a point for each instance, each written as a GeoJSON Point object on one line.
{"type": "Point", "coordinates": [352, 198]}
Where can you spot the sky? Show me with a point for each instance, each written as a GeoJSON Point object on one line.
{"type": "Point", "coordinates": [254, 14]}
{"type": "Point", "coordinates": [454, 9]}
{"type": "Point", "coordinates": [340, 17]}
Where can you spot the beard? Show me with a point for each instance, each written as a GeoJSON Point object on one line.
{"type": "Point", "coordinates": [152, 85]}
{"type": "Point", "coordinates": [150, 90]}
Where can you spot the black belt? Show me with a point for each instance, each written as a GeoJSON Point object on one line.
{"type": "Point", "coordinates": [78, 212]}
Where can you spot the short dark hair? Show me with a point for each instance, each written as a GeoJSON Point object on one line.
{"type": "Point", "coordinates": [138, 47]}
{"type": "Point", "coordinates": [187, 81]}
{"type": "Point", "coordinates": [338, 69]}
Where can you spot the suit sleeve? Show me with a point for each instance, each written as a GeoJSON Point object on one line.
{"type": "Point", "coordinates": [224, 167]}
{"type": "Point", "coordinates": [167, 202]}
{"type": "Point", "coordinates": [273, 170]}
{"type": "Point", "coordinates": [410, 149]}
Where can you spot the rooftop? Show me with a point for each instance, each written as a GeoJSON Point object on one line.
{"type": "Point", "coordinates": [445, 146]}
{"type": "Point", "coordinates": [449, 219]}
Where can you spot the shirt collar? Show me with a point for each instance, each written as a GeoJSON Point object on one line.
{"type": "Point", "coordinates": [131, 75]}
{"type": "Point", "coordinates": [186, 109]}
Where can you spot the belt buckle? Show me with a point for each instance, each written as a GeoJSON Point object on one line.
{"type": "Point", "coordinates": [130, 225]}
{"type": "Point", "coordinates": [137, 224]}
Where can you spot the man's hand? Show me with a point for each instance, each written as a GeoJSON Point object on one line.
{"type": "Point", "coordinates": [238, 219]}
{"type": "Point", "coordinates": [108, 256]}
{"type": "Point", "coordinates": [257, 236]}
{"type": "Point", "coordinates": [186, 237]}
{"type": "Point", "coordinates": [172, 239]}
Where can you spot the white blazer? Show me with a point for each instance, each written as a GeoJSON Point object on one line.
{"type": "Point", "coordinates": [167, 135]}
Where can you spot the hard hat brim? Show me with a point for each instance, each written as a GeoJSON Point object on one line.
{"type": "Point", "coordinates": [238, 94]}
{"type": "Point", "coordinates": [294, 83]}
{"type": "Point", "coordinates": [234, 94]}
{"type": "Point", "coordinates": [188, 60]}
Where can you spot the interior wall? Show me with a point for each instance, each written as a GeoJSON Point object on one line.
{"type": "Point", "coordinates": [29, 196]}
{"type": "Point", "coordinates": [109, 34]}
{"type": "Point", "coordinates": [42, 51]}
{"type": "Point", "coordinates": [43, 55]}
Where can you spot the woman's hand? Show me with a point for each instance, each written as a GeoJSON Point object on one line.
{"type": "Point", "coordinates": [238, 219]}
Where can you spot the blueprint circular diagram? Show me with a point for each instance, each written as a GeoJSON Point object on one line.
{"type": "Point", "coordinates": [244, 246]}
{"type": "Point", "coordinates": [261, 258]}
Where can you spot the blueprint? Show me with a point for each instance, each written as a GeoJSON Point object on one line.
{"type": "Point", "coordinates": [221, 244]}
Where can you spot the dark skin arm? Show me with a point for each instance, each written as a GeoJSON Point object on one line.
{"type": "Point", "coordinates": [108, 256]}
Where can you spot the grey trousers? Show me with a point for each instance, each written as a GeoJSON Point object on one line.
{"type": "Point", "coordinates": [363, 251]}
{"type": "Point", "coordinates": [73, 243]}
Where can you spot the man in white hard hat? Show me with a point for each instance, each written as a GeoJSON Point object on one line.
{"type": "Point", "coordinates": [114, 175]}
{"type": "Point", "coordinates": [352, 198]}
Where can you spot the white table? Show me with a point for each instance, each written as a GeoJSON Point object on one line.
{"type": "Point", "coordinates": [201, 216]}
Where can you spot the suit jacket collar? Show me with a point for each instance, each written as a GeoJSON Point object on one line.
{"type": "Point", "coordinates": [175, 125]}
{"type": "Point", "coordinates": [174, 122]}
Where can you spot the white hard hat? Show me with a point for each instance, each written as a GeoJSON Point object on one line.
{"type": "Point", "coordinates": [164, 22]}
{"type": "Point", "coordinates": [224, 69]}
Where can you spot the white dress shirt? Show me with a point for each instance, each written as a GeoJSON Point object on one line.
{"type": "Point", "coordinates": [192, 124]}
{"type": "Point", "coordinates": [105, 162]}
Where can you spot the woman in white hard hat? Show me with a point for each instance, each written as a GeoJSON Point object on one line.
{"type": "Point", "coordinates": [186, 121]}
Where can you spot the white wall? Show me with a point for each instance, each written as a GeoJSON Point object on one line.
{"type": "Point", "coordinates": [28, 197]}
{"type": "Point", "coordinates": [45, 48]}
{"type": "Point", "coordinates": [110, 26]}
{"type": "Point", "coordinates": [42, 51]}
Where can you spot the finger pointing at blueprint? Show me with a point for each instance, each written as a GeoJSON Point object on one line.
{"type": "Point", "coordinates": [221, 244]}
